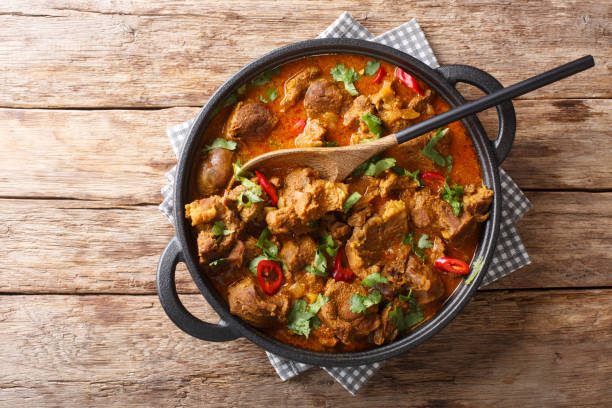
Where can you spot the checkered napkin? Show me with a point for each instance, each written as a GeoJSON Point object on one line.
{"type": "Point", "coordinates": [509, 255]}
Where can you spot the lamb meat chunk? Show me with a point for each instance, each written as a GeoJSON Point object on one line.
{"type": "Point", "coordinates": [251, 214]}
{"type": "Point", "coordinates": [215, 171]}
{"type": "Point", "coordinates": [306, 285]}
{"type": "Point", "coordinates": [285, 220]}
{"type": "Point", "coordinates": [340, 232]}
{"type": "Point", "coordinates": [297, 85]}
{"type": "Point", "coordinates": [358, 218]}
{"type": "Point", "coordinates": [391, 110]}
{"type": "Point", "coordinates": [383, 186]}
{"type": "Point", "coordinates": [387, 332]}
{"type": "Point", "coordinates": [387, 290]}
{"type": "Point", "coordinates": [203, 214]}
{"type": "Point", "coordinates": [251, 250]}
{"type": "Point", "coordinates": [476, 203]}
{"type": "Point", "coordinates": [394, 267]}
{"type": "Point", "coordinates": [337, 314]}
{"type": "Point", "coordinates": [419, 103]}
{"type": "Point", "coordinates": [425, 281]}
{"type": "Point", "coordinates": [236, 255]}
{"type": "Point", "coordinates": [250, 119]}
{"type": "Point", "coordinates": [323, 96]}
{"type": "Point", "coordinates": [208, 249]}
{"type": "Point", "coordinates": [312, 136]}
{"type": "Point", "coordinates": [325, 336]}
{"type": "Point", "coordinates": [365, 247]}
{"type": "Point", "coordinates": [421, 205]}
{"type": "Point", "coordinates": [247, 301]}
{"type": "Point", "coordinates": [297, 253]}
{"type": "Point", "coordinates": [305, 198]}
{"type": "Point", "coordinates": [204, 210]}
{"type": "Point", "coordinates": [395, 118]}
{"type": "Point", "coordinates": [353, 116]}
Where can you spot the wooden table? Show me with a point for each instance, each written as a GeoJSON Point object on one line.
{"type": "Point", "coordinates": [88, 89]}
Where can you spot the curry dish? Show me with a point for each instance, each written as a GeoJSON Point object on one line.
{"type": "Point", "coordinates": [325, 265]}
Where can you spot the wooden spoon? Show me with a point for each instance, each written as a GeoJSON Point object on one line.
{"type": "Point", "coordinates": [336, 163]}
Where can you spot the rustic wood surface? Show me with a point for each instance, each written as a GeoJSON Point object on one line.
{"type": "Point", "coordinates": [88, 89]}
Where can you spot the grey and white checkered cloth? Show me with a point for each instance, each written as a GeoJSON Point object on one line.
{"type": "Point", "coordinates": [509, 255]}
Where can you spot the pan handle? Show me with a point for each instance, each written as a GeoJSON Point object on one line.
{"type": "Point", "coordinates": [174, 308]}
{"type": "Point", "coordinates": [505, 111]}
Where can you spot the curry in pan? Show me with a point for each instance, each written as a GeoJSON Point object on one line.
{"type": "Point", "coordinates": [325, 265]}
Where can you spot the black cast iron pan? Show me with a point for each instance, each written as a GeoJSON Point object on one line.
{"type": "Point", "coordinates": [182, 248]}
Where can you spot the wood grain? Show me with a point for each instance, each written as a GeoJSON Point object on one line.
{"type": "Point", "coordinates": [176, 53]}
{"type": "Point", "coordinates": [533, 349]}
{"type": "Point", "coordinates": [68, 246]}
{"type": "Point", "coordinates": [122, 155]}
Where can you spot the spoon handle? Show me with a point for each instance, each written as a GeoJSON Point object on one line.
{"type": "Point", "coordinates": [496, 98]}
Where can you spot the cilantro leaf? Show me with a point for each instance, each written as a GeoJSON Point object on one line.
{"type": "Point", "coordinates": [247, 198]}
{"type": "Point", "coordinates": [351, 201]}
{"type": "Point", "coordinates": [373, 279]}
{"type": "Point", "coordinates": [424, 242]}
{"type": "Point", "coordinates": [363, 166]}
{"type": "Point", "coordinates": [418, 250]}
{"type": "Point", "coordinates": [403, 321]}
{"type": "Point", "coordinates": [221, 143]}
{"type": "Point", "coordinates": [302, 318]}
{"type": "Point", "coordinates": [453, 196]}
{"type": "Point", "coordinates": [238, 172]}
{"type": "Point", "coordinates": [264, 100]}
{"type": "Point", "coordinates": [348, 76]}
{"type": "Point", "coordinates": [231, 100]}
{"type": "Point", "coordinates": [361, 303]}
{"type": "Point", "coordinates": [219, 230]}
{"type": "Point", "coordinates": [374, 169]}
{"type": "Point", "coordinates": [266, 77]}
{"type": "Point", "coordinates": [405, 173]}
{"type": "Point", "coordinates": [330, 144]}
{"type": "Point", "coordinates": [373, 122]}
{"type": "Point", "coordinates": [476, 268]}
{"type": "Point", "coordinates": [430, 151]}
{"type": "Point", "coordinates": [242, 90]}
{"type": "Point", "coordinates": [371, 67]}
{"type": "Point", "coordinates": [272, 94]}
{"type": "Point", "coordinates": [269, 249]}
{"type": "Point", "coordinates": [449, 164]}
{"type": "Point", "coordinates": [406, 297]}
{"type": "Point", "coordinates": [217, 262]}
{"type": "Point", "coordinates": [252, 191]}
{"type": "Point", "coordinates": [319, 265]}
{"type": "Point", "coordinates": [313, 224]}
{"type": "Point", "coordinates": [329, 245]}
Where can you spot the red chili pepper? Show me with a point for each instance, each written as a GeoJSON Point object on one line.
{"type": "Point", "coordinates": [452, 265]}
{"type": "Point", "coordinates": [429, 177]}
{"type": "Point", "coordinates": [268, 187]}
{"type": "Point", "coordinates": [380, 74]}
{"type": "Point", "coordinates": [340, 273]}
{"type": "Point", "coordinates": [408, 80]}
{"type": "Point", "coordinates": [270, 276]}
{"type": "Point", "coordinates": [299, 124]}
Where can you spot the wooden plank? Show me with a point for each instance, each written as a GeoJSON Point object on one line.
{"type": "Point", "coordinates": [92, 155]}
{"type": "Point", "coordinates": [65, 246]}
{"type": "Point", "coordinates": [177, 53]}
{"type": "Point", "coordinates": [532, 349]}
{"type": "Point", "coordinates": [569, 239]}
{"type": "Point", "coordinates": [121, 156]}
